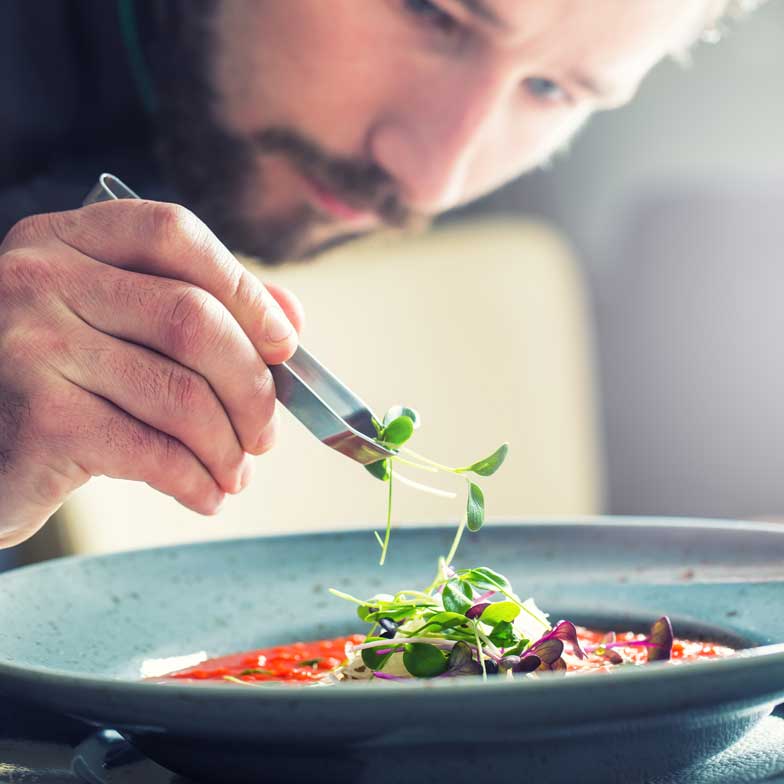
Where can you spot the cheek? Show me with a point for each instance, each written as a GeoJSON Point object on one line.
{"type": "Point", "coordinates": [308, 64]}
{"type": "Point", "coordinates": [520, 146]}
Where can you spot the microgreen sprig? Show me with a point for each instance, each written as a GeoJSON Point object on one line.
{"type": "Point", "coordinates": [396, 428]}
{"type": "Point", "coordinates": [457, 627]}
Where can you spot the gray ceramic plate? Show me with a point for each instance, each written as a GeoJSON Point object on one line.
{"type": "Point", "coordinates": [74, 632]}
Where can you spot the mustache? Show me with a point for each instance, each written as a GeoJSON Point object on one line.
{"type": "Point", "coordinates": [362, 185]}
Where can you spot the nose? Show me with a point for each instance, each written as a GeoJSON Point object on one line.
{"type": "Point", "coordinates": [428, 141]}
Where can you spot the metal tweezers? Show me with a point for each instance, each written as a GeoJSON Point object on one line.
{"type": "Point", "coordinates": [326, 406]}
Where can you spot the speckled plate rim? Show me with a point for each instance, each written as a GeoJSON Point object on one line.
{"type": "Point", "coordinates": [722, 676]}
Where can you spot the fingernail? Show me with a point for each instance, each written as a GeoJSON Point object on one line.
{"type": "Point", "coordinates": [276, 326]}
{"type": "Point", "coordinates": [217, 503]}
{"type": "Point", "coordinates": [247, 472]}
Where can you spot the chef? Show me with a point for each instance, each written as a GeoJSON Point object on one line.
{"type": "Point", "coordinates": [132, 342]}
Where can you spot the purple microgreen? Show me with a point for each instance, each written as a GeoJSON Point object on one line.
{"type": "Point", "coordinates": [484, 596]}
{"type": "Point", "coordinates": [385, 676]}
{"type": "Point", "coordinates": [660, 639]}
{"type": "Point", "coordinates": [548, 649]}
{"type": "Point", "coordinates": [461, 660]}
{"type": "Point", "coordinates": [475, 611]}
{"type": "Point", "coordinates": [566, 632]}
{"type": "Point", "coordinates": [528, 663]}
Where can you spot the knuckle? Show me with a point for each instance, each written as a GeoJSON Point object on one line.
{"type": "Point", "coordinates": [26, 230]}
{"type": "Point", "coordinates": [26, 350]}
{"type": "Point", "coordinates": [187, 393]}
{"type": "Point", "coordinates": [172, 227]}
{"type": "Point", "coordinates": [24, 275]}
{"type": "Point", "coordinates": [189, 328]}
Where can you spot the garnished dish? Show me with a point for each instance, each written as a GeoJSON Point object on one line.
{"type": "Point", "coordinates": [467, 622]}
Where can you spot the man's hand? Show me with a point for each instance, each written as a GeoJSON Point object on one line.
{"type": "Point", "coordinates": [132, 344]}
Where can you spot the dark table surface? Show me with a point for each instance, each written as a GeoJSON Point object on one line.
{"type": "Point", "coordinates": [38, 747]}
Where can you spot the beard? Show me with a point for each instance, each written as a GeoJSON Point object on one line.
{"type": "Point", "coordinates": [219, 174]}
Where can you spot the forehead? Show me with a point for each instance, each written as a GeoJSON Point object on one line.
{"type": "Point", "coordinates": [610, 35]}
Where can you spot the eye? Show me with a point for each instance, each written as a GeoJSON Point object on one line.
{"type": "Point", "coordinates": [546, 89]}
{"type": "Point", "coordinates": [431, 14]}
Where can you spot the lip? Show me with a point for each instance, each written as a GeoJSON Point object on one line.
{"type": "Point", "coordinates": [335, 207]}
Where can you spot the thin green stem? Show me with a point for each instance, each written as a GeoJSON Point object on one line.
{"type": "Point", "coordinates": [347, 596]}
{"type": "Point", "coordinates": [411, 463]}
{"type": "Point", "coordinates": [456, 541]}
{"type": "Point", "coordinates": [424, 488]}
{"type": "Point", "coordinates": [479, 652]}
{"type": "Point", "coordinates": [427, 460]}
{"type": "Point", "coordinates": [385, 546]}
{"type": "Point", "coordinates": [440, 576]}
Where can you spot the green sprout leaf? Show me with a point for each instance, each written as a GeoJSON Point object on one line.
{"type": "Point", "coordinates": [503, 635]}
{"type": "Point", "coordinates": [399, 411]}
{"type": "Point", "coordinates": [374, 660]}
{"type": "Point", "coordinates": [455, 597]}
{"type": "Point", "coordinates": [482, 577]}
{"type": "Point", "coordinates": [398, 431]}
{"type": "Point", "coordinates": [257, 671]}
{"type": "Point", "coordinates": [475, 507]}
{"type": "Point", "coordinates": [423, 660]}
{"type": "Point", "coordinates": [499, 612]}
{"type": "Point", "coordinates": [445, 620]}
{"type": "Point", "coordinates": [489, 465]}
{"type": "Point", "coordinates": [379, 469]}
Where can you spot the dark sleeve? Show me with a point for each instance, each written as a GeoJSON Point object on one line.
{"type": "Point", "coordinates": [64, 187]}
{"type": "Point", "coordinates": [69, 109]}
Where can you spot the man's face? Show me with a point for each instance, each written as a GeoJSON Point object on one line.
{"type": "Point", "coordinates": [350, 115]}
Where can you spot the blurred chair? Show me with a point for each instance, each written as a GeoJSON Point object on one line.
{"type": "Point", "coordinates": [480, 326]}
{"type": "Point", "coordinates": [691, 343]}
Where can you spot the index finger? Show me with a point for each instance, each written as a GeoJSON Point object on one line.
{"type": "Point", "coordinates": [169, 241]}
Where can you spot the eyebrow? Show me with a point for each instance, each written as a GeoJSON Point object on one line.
{"type": "Point", "coordinates": [483, 11]}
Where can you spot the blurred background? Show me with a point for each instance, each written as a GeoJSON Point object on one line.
{"type": "Point", "coordinates": [617, 317]}
{"type": "Point", "coordinates": [675, 208]}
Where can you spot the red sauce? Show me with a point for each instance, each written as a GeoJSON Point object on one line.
{"type": "Point", "coordinates": [309, 661]}
{"type": "Point", "coordinates": [300, 661]}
